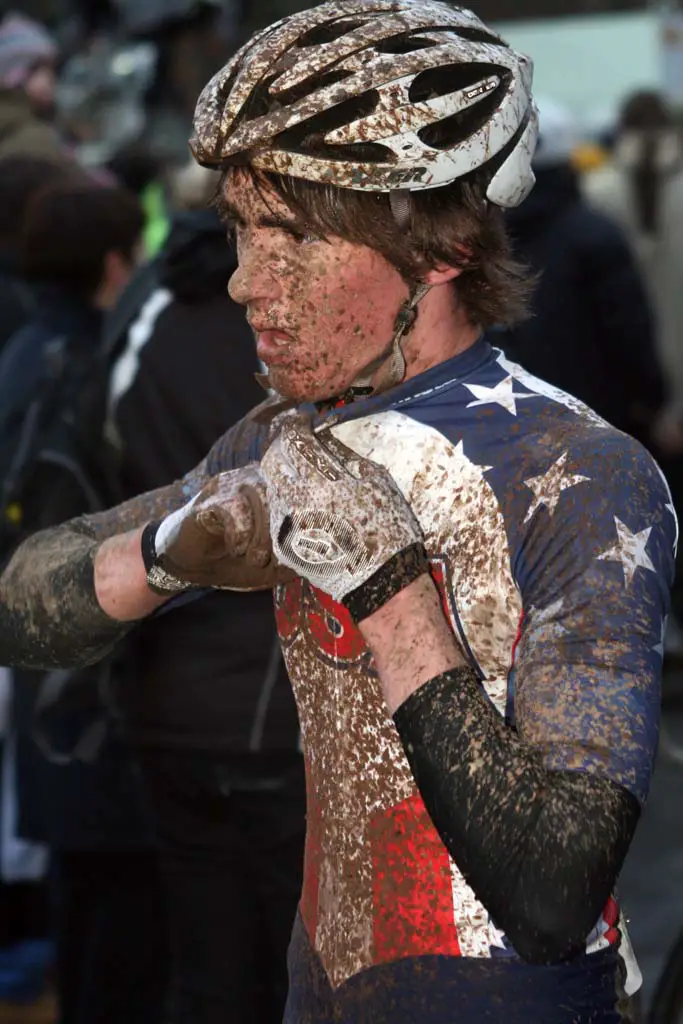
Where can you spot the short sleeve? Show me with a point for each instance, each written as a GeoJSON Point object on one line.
{"type": "Point", "coordinates": [594, 570]}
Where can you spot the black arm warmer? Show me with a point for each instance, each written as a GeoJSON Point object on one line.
{"type": "Point", "coordinates": [541, 849]}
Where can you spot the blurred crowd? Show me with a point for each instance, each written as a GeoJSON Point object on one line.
{"type": "Point", "coordinates": [152, 808]}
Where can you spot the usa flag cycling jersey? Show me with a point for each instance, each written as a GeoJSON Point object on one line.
{"type": "Point", "coordinates": [551, 538]}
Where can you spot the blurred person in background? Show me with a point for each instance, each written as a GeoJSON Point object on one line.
{"type": "Point", "coordinates": [20, 179]}
{"type": "Point", "coordinates": [78, 248]}
{"type": "Point", "coordinates": [589, 298]}
{"type": "Point", "coordinates": [648, 152]}
{"type": "Point", "coordinates": [139, 169]}
{"type": "Point", "coordinates": [209, 708]}
{"type": "Point", "coordinates": [641, 188]}
{"type": "Point", "coordinates": [193, 37]}
{"type": "Point", "coordinates": [24, 919]}
{"type": "Point", "coordinates": [23, 902]}
{"type": "Point", "coordinates": [28, 58]}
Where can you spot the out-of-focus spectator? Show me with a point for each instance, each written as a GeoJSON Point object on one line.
{"type": "Point", "coordinates": [641, 188]}
{"type": "Point", "coordinates": [648, 149]}
{"type": "Point", "coordinates": [28, 56]}
{"type": "Point", "coordinates": [140, 170]}
{"type": "Point", "coordinates": [78, 248]}
{"type": "Point", "coordinates": [20, 179]}
{"type": "Point", "coordinates": [191, 46]}
{"type": "Point", "coordinates": [210, 708]}
{"type": "Point", "coordinates": [592, 332]}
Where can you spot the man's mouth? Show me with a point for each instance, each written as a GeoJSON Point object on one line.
{"type": "Point", "coordinates": [272, 344]}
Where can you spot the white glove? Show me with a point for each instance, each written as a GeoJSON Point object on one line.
{"type": "Point", "coordinates": [339, 520]}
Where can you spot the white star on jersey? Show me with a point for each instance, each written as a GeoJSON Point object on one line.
{"type": "Point", "coordinates": [503, 394]}
{"type": "Point", "coordinates": [548, 488]}
{"type": "Point", "coordinates": [630, 551]}
{"type": "Point", "coordinates": [496, 936]}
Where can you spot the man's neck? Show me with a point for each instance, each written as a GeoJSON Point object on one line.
{"type": "Point", "coordinates": [442, 330]}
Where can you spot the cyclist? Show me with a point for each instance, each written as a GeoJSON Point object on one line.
{"type": "Point", "coordinates": [471, 568]}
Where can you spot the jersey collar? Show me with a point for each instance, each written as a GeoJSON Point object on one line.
{"type": "Point", "coordinates": [437, 377]}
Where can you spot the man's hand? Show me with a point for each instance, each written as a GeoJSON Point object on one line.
{"type": "Point", "coordinates": [339, 520]}
{"type": "Point", "coordinates": [219, 539]}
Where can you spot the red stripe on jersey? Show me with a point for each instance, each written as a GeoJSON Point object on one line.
{"type": "Point", "coordinates": [611, 917]}
{"type": "Point", "coordinates": [412, 890]}
{"type": "Point", "coordinates": [517, 639]}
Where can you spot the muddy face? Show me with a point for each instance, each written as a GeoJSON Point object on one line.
{"type": "Point", "coordinates": [322, 310]}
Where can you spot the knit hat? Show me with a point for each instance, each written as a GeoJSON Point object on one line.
{"type": "Point", "coordinates": [23, 44]}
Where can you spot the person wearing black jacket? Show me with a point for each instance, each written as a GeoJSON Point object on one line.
{"type": "Point", "coordinates": [21, 177]}
{"type": "Point", "coordinates": [77, 250]}
{"type": "Point", "coordinates": [209, 707]}
{"type": "Point", "coordinates": [590, 299]}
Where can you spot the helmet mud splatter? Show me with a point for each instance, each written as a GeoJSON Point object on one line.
{"type": "Point", "coordinates": [379, 95]}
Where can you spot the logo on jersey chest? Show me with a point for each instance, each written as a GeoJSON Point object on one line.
{"type": "Point", "coordinates": [304, 612]}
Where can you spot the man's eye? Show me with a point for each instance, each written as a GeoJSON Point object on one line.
{"type": "Point", "coordinates": [302, 237]}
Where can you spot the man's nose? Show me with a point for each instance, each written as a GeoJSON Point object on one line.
{"type": "Point", "coordinates": [255, 278]}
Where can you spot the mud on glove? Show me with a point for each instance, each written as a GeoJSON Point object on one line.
{"type": "Point", "coordinates": [339, 520]}
{"type": "Point", "coordinates": [220, 538]}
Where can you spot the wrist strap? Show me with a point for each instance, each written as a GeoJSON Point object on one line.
{"type": "Point", "coordinates": [158, 579]}
{"type": "Point", "coordinates": [396, 574]}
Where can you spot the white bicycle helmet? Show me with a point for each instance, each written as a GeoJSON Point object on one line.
{"type": "Point", "coordinates": [379, 95]}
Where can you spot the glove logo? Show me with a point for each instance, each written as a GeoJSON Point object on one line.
{"type": "Point", "coordinates": [313, 538]}
{"type": "Point", "coordinates": [317, 547]}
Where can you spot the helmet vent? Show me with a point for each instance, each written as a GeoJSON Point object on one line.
{"type": "Point", "coordinates": [404, 44]}
{"type": "Point", "coordinates": [448, 78]}
{"type": "Point", "coordinates": [356, 152]}
{"type": "Point", "coordinates": [308, 86]}
{"type": "Point", "coordinates": [311, 132]}
{"type": "Point", "coordinates": [457, 128]}
{"type": "Point", "coordinates": [329, 33]}
{"type": "Point", "coordinates": [478, 35]}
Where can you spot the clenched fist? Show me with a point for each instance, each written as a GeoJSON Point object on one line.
{"type": "Point", "coordinates": [221, 538]}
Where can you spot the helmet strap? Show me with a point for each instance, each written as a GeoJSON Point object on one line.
{"type": "Point", "coordinates": [399, 201]}
{"type": "Point", "coordinates": [393, 359]}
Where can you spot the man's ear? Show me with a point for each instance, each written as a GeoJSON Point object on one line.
{"type": "Point", "coordinates": [441, 274]}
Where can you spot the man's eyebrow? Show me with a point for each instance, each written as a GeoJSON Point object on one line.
{"type": "Point", "coordinates": [228, 211]}
{"type": "Point", "coordinates": [280, 223]}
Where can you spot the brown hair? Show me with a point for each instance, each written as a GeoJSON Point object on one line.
{"type": "Point", "coordinates": [454, 225]}
{"type": "Point", "coordinates": [69, 229]}
{"type": "Point", "coordinates": [21, 178]}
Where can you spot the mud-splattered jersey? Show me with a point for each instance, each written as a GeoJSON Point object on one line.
{"type": "Point", "coordinates": [551, 538]}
